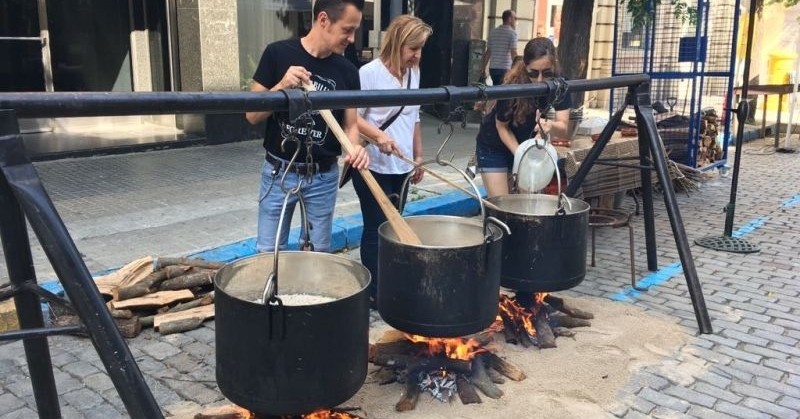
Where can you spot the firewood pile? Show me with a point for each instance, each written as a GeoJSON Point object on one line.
{"type": "Point", "coordinates": [171, 295]}
{"type": "Point", "coordinates": [709, 150]}
{"type": "Point", "coordinates": [539, 322]}
{"type": "Point", "coordinates": [410, 361]}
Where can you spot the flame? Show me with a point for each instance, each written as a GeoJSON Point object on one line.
{"type": "Point", "coordinates": [453, 348]}
{"type": "Point", "coordinates": [517, 313]}
{"type": "Point", "coordinates": [328, 414]}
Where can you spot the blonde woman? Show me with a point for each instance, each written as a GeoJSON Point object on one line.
{"type": "Point", "coordinates": [396, 129]}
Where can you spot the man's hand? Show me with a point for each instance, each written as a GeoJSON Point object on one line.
{"type": "Point", "coordinates": [359, 159]}
{"type": "Point", "coordinates": [295, 77]}
{"type": "Point", "coordinates": [418, 172]}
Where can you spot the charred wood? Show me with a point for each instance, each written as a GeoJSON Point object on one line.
{"type": "Point", "coordinates": [560, 305]}
{"type": "Point", "coordinates": [480, 379]}
{"type": "Point", "coordinates": [390, 348]}
{"type": "Point", "coordinates": [466, 391]}
{"type": "Point", "coordinates": [409, 399]}
{"type": "Point", "coordinates": [413, 363]}
{"type": "Point", "coordinates": [503, 367]}
{"type": "Point", "coordinates": [544, 334]}
{"type": "Point", "coordinates": [509, 329]}
{"type": "Point", "coordinates": [563, 331]}
{"type": "Point", "coordinates": [496, 377]}
{"type": "Point", "coordinates": [385, 376]}
{"type": "Point", "coordinates": [567, 321]}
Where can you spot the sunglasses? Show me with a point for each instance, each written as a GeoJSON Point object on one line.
{"type": "Point", "coordinates": [546, 73]}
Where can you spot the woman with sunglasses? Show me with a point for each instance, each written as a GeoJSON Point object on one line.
{"type": "Point", "coordinates": [513, 121]}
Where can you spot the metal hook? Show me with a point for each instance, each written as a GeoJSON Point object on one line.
{"type": "Point", "coordinates": [449, 125]}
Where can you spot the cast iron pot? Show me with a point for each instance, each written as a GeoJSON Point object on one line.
{"type": "Point", "coordinates": [446, 287]}
{"type": "Point", "coordinates": [290, 360]}
{"type": "Point", "coordinates": [547, 248]}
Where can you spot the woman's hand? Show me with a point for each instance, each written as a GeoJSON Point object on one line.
{"type": "Point", "coordinates": [387, 145]}
{"type": "Point", "coordinates": [359, 159]}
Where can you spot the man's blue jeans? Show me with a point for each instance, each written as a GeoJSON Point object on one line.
{"type": "Point", "coordinates": [319, 196]}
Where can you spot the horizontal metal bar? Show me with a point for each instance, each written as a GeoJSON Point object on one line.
{"type": "Point", "coordinates": [20, 38]}
{"type": "Point", "coordinates": [40, 332]}
{"type": "Point", "coordinates": [63, 104]}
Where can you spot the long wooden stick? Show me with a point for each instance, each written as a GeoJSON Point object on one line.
{"type": "Point", "coordinates": [404, 233]}
{"type": "Point", "coordinates": [434, 174]}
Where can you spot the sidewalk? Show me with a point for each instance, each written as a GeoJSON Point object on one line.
{"type": "Point", "coordinates": [185, 201]}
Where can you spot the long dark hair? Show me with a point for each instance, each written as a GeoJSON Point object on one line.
{"type": "Point", "coordinates": [522, 107]}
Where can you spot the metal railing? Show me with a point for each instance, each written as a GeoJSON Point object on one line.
{"type": "Point", "coordinates": [22, 196]}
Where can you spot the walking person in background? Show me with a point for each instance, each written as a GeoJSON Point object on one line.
{"type": "Point", "coordinates": [501, 48]}
{"type": "Point", "coordinates": [513, 121]}
{"type": "Point", "coordinates": [395, 129]}
{"type": "Point", "coordinates": [316, 58]}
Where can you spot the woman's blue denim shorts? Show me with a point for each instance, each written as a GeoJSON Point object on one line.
{"type": "Point", "coordinates": [493, 160]}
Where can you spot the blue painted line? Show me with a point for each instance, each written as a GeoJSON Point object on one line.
{"type": "Point", "coordinates": [791, 201]}
{"type": "Point", "coordinates": [674, 269]}
{"type": "Point", "coordinates": [346, 232]}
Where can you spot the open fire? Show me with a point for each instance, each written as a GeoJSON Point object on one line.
{"type": "Point", "coordinates": [536, 319]}
{"type": "Point", "coordinates": [237, 412]}
{"type": "Point", "coordinates": [443, 367]}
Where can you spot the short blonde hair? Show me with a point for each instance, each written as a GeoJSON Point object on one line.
{"type": "Point", "coordinates": [404, 31]}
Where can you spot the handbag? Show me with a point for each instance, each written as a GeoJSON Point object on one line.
{"type": "Point", "coordinates": [347, 171]}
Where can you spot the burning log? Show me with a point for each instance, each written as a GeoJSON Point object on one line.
{"type": "Point", "coordinates": [504, 367]}
{"type": "Point", "coordinates": [390, 348]}
{"type": "Point", "coordinates": [411, 363]}
{"type": "Point", "coordinates": [225, 412]}
{"type": "Point", "coordinates": [409, 399]}
{"type": "Point", "coordinates": [544, 335]}
{"type": "Point", "coordinates": [466, 391]}
{"type": "Point", "coordinates": [480, 379]}
{"type": "Point", "coordinates": [163, 262]}
{"type": "Point", "coordinates": [570, 322]}
{"type": "Point", "coordinates": [560, 305]}
{"type": "Point", "coordinates": [509, 329]}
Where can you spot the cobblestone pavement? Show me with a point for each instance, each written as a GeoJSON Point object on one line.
{"type": "Point", "coordinates": [749, 367]}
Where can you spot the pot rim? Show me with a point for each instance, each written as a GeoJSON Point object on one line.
{"type": "Point", "coordinates": [237, 262]}
{"type": "Point", "coordinates": [475, 222]}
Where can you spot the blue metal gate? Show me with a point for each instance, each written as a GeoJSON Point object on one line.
{"type": "Point", "coordinates": [692, 66]}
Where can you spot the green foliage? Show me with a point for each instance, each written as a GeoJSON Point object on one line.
{"type": "Point", "coordinates": [641, 11]}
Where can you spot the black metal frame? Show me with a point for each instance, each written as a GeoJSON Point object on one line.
{"type": "Point", "coordinates": [22, 195]}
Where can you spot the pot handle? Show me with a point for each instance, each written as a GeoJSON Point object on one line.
{"type": "Point", "coordinates": [503, 226]}
{"type": "Point", "coordinates": [443, 162]}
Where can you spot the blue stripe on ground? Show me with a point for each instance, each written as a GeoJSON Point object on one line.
{"type": "Point", "coordinates": [674, 269]}
{"type": "Point", "coordinates": [791, 201]}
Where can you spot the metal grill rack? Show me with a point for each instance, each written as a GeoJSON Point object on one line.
{"type": "Point", "coordinates": [691, 65]}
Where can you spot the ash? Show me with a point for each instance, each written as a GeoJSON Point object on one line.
{"type": "Point", "coordinates": [440, 384]}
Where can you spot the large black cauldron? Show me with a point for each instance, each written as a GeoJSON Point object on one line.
{"type": "Point", "coordinates": [446, 287]}
{"type": "Point", "coordinates": [546, 250]}
{"type": "Point", "coordinates": [295, 359]}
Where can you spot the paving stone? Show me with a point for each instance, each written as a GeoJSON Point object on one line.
{"type": "Point", "coordinates": [690, 396]}
{"type": "Point", "coordinates": [24, 413]}
{"type": "Point", "coordinates": [787, 349]}
{"type": "Point", "coordinates": [203, 334]}
{"type": "Point", "coordinates": [704, 413]}
{"type": "Point", "coordinates": [665, 413]}
{"type": "Point", "coordinates": [766, 352]}
{"type": "Point", "coordinates": [200, 350]}
{"type": "Point", "coordinates": [184, 408]}
{"type": "Point", "coordinates": [104, 411]}
{"type": "Point", "coordinates": [10, 403]}
{"type": "Point", "coordinates": [183, 363]}
{"type": "Point", "coordinates": [80, 369]}
{"type": "Point", "coordinates": [757, 370]}
{"type": "Point", "coordinates": [99, 382]}
{"type": "Point", "coordinates": [740, 411]}
{"type": "Point", "coordinates": [663, 400]}
{"type": "Point", "coordinates": [160, 350]}
{"type": "Point", "coordinates": [789, 367]}
{"type": "Point", "coordinates": [790, 403]}
{"type": "Point", "coordinates": [178, 339]}
{"type": "Point", "coordinates": [745, 337]}
{"type": "Point", "coordinates": [776, 338]}
{"type": "Point", "coordinates": [83, 398]}
{"type": "Point", "coordinates": [632, 414]}
{"type": "Point", "coordinates": [721, 381]}
{"type": "Point", "coordinates": [753, 391]}
{"type": "Point", "coordinates": [728, 371]}
{"type": "Point", "coordinates": [739, 354]}
{"type": "Point", "coordinates": [770, 408]}
{"type": "Point", "coordinates": [195, 392]}
{"type": "Point", "coordinates": [717, 392]}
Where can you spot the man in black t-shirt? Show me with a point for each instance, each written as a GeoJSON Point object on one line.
{"type": "Point", "coordinates": [316, 59]}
